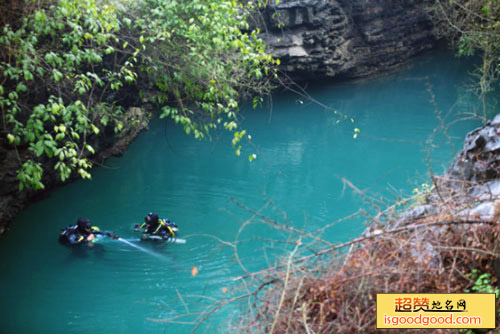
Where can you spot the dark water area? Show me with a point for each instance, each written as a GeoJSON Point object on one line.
{"type": "Point", "coordinates": [302, 156]}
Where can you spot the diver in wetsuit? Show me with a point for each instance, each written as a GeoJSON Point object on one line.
{"type": "Point", "coordinates": [157, 227]}
{"type": "Point", "coordinates": [81, 233]}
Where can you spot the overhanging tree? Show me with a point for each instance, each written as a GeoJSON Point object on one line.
{"type": "Point", "coordinates": [475, 28]}
{"type": "Point", "coordinates": [63, 61]}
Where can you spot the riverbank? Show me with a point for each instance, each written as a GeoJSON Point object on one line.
{"type": "Point", "coordinates": [106, 144]}
{"type": "Point", "coordinates": [439, 241]}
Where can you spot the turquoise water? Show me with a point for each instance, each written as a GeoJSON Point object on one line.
{"type": "Point", "coordinates": [302, 157]}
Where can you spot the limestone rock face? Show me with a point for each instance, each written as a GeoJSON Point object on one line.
{"type": "Point", "coordinates": [345, 38]}
{"type": "Point", "coordinates": [479, 161]}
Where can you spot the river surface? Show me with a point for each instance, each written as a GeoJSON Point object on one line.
{"type": "Point", "coordinates": [303, 158]}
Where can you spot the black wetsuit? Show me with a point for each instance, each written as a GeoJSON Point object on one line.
{"type": "Point", "coordinates": [160, 228]}
{"type": "Point", "coordinates": [72, 235]}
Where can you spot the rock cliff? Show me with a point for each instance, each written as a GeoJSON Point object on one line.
{"type": "Point", "coordinates": [470, 189]}
{"type": "Point", "coordinates": [345, 38]}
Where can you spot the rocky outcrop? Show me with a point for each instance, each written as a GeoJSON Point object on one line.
{"type": "Point", "coordinates": [345, 38]}
{"type": "Point", "coordinates": [470, 190]}
{"type": "Point", "coordinates": [461, 212]}
{"type": "Point", "coordinates": [107, 144]}
{"type": "Point", "coordinates": [479, 161]}
{"type": "Point", "coordinates": [474, 177]}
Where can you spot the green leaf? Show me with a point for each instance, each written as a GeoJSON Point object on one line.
{"type": "Point", "coordinates": [40, 17]}
{"type": "Point", "coordinates": [104, 120]}
{"type": "Point", "coordinates": [39, 149]}
{"type": "Point", "coordinates": [13, 96]}
{"type": "Point", "coordinates": [21, 88]}
{"type": "Point", "coordinates": [90, 149]}
{"type": "Point", "coordinates": [11, 138]}
{"type": "Point", "coordinates": [57, 75]}
{"type": "Point", "coordinates": [95, 129]}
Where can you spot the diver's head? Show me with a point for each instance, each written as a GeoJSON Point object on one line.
{"type": "Point", "coordinates": [151, 218]}
{"type": "Point", "coordinates": [83, 225]}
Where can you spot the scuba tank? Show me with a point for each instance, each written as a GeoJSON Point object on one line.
{"type": "Point", "coordinates": [163, 231]}
{"type": "Point", "coordinates": [68, 235]}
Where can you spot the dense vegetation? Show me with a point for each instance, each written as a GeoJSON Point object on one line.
{"type": "Point", "coordinates": [71, 67]}
{"type": "Point", "coordinates": [474, 27]}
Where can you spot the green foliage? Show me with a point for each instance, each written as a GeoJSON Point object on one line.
{"type": "Point", "coordinates": [200, 60]}
{"type": "Point", "coordinates": [482, 283]}
{"type": "Point", "coordinates": [420, 193]}
{"type": "Point", "coordinates": [52, 67]}
{"type": "Point", "coordinates": [194, 58]}
{"type": "Point", "coordinates": [475, 27]}
{"type": "Point", "coordinates": [30, 174]}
